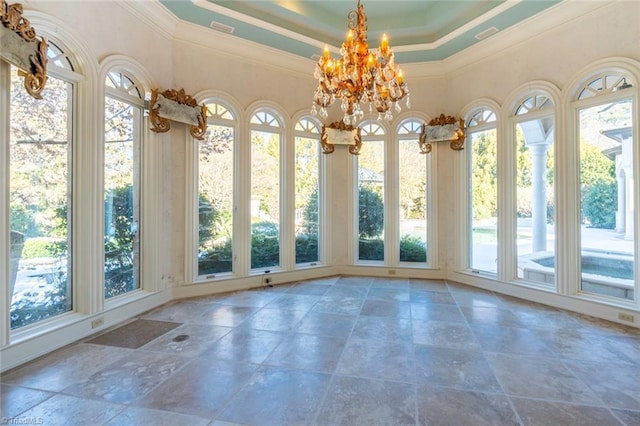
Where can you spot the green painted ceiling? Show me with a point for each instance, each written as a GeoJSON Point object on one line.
{"type": "Point", "coordinates": [418, 30]}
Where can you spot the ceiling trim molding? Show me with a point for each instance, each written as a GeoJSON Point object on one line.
{"type": "Point", "coordinates": [157, 16]}
{"type": "Point", "coordinates": [204, 4]}
{"type": "Point", "coordinates": [243, 50]}
{"type": "Point", "coordinates": [533, 27]}
{"type": "Point", "coordinates": [267, 26]}
{"type": "Point", "coordinates": [459, 31]}
{"type": "Point", "coordinates": [154, 14]}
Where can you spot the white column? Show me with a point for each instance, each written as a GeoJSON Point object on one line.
{"type": "Point", "coordinates": [539, 202]}
{"type": "Point", "coordinates": [621, 213]}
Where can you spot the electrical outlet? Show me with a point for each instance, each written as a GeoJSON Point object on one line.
{"type": "Point", "coordinates": [97, 322]}
{"type": "Point", "coordinates": [266, 280]}
{"type": "Point", "coordinates": [626, 317]}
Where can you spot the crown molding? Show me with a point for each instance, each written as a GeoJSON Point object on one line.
{"type": "Point", "coordinates": [154, 14]}
{"type": "Point", "coordinates": [174, 29]}
{"type": "Point", "coordinates": [535, 26]}
{"type": "Point", "coordinates": [243, 50]}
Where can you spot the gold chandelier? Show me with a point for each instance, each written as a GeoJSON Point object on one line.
{"type": "Point", "coordinates": [359, 76]}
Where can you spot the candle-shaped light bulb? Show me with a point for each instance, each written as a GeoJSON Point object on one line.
{"type": "Point", "coordinates": [370, 61]}
{"type": "Point", "coordinates": [329, 67]}
{"type": "Point", "coordinates": [399, 77]}
{"type": "Point", "coordinates": [350, 35]}
{"type": "Point", "coordinates": [385, 42]}
{"type": "Point", "coordinates": [325, 54]}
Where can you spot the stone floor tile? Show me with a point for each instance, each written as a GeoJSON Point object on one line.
{"type": "Point", "coordinates": [225, 315]}
{"type": "Point", "coordinates": [511, 340]}
{"type": "Point", "coordinates": [64, 410]}
{"type": "Point", "coordinates": [276, 396]}
{"type": "Point", "coordinates": [455, 368]}
{"type": "Point", "coordinates": [66, 366]}
{"type": "Point", "coordinates": [381, 308]}
{"type": "Point", "coordinates": [128, 379]}
{"type": "Point", "coordinates": [137, 416]}
{"type": "Point", "coordinates": [339, 305]}
{"type": "Point", "coordinates": [179, 311]}
{"type": "Point", "coordinates": [377, 359]}
{"type": "Point", "coordinates": [445, 406]}
{"type": "Point", "coordinates": [355, 401]}
{"type": "Point", "coordinates": [444, 334]}
{"type": "Point", "coordinates": [274, 319]}
{"type": "Point", "coordinates": [435, 312]}
{"type": "Point", "coordinates": [539, 377]}
{"type": "Point", "coordinates": [187, 340]}
{"type": "Point", "coordinates": [383, 328]}
{"type": "Point", "coordinates": [293, 302]}
{"type": "Point", "coordinates": [15, 399]}
{"type": "Point", "coordinates": [202, 388]}
{"type": "Point", "coordinates": [618, 385]}
{"type": "Point", "coordinates": [389, 294]}
{"type": "Point", "coordinates": [535, 412]}
{"type": "Point", "coordinates": [307, 352]}
{"type": "Point", "coordinates": [245, 345]}
{"type": "Point", "coordinates": [331, 325]}
{"type": "Point", "coordinates": [429, 297]}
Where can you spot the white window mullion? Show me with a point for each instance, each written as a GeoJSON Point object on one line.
{"type": "Point", "coordinates": [5, 303]}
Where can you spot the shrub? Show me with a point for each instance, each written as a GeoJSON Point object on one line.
{"type": "Point", "coordinates": [41, 247]}
{"type": "Point", "coordinates": [371, 213]}
{"type": "Point", "coordinates": [599, 205]}
{"type": "Point", "coordinates": [265, 245]}
{"type": "Point", "coordinates": [412, 249]}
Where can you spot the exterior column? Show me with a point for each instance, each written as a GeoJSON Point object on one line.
{"type": "Point", "coordinates": [621, 213]}
{"type": "Point", "coordinates": [539, 202]}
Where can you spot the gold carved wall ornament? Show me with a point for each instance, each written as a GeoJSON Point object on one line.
{"type": "Point", "coordinates": [338, 133]}
{"type": "Point", "coordinates": [176, 105]}
{"type": "Point", "coordinates": [442, 129]}
{"type": "Point", "coordinates": [20, 46]}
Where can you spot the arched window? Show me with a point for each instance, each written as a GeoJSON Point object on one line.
{"type": "Point", "coordinates": [124, 105]}
{"type": "Point", "coordinates": [371, 181]}
{"type": "Point", "coordinates": [216, 191]}
{"type": "Point", "coordinates": [533, 131]}
{"type": "Point", "coordinates": [266, 144]}
{"type": "Point", "coordinates": [604, 108]}
{"type": "Point", "coordinates": [412, 193]}
{"type": "Point", "coordinates": [483, 190]}
{"type": "Point", "coordinates": [307, 190]}
{"type": "Point", "coordinates": [41, 187]}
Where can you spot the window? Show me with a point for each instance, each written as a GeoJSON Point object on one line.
{"type": "Point", "coordinates": [307, 179]}
{"type": "Point", "coordinates": [483, 195]}
{"type": "Point", "coordinates": [40, 194]}
{"type": "Point", "coordinates": [266, 137]}
{"type": "Point", "coordinates": [215, 191]}
{"type": "Point", "coordinates": [371, 193]}
{"type": "Point", "coordinates": [535, 229]}
{"type": "Point", "coordinates": [124, 103]}
{"type": "Point", "coordinates": [607, 215]}
{"type": "Point", "coordinates": [412, 168]}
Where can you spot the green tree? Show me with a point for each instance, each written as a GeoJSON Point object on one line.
{"type": "Point", "coordinates": [597, 173]}
{"type": "Point", "coordinates": [600, 202]}
{"type": "Point", "coordinates": [484, 178]}
{"type": "Point", "coordinates": [370, 212]}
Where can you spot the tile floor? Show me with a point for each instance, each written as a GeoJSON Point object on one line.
{"type": "Point", "coordinates": [339, 350]}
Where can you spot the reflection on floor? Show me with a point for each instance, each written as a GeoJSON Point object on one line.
{"type": "Point", "coordinates": [340, 350]}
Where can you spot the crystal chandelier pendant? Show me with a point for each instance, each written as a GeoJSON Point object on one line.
{"type": "Point", "coordinates": [357, 75]}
